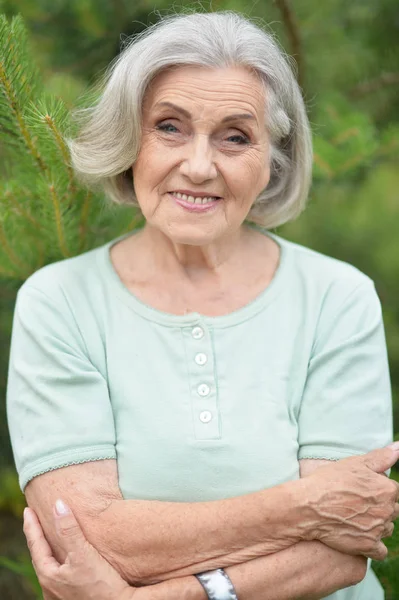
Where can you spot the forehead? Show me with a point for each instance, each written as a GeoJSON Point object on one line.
{"type": "Point", "coordinates": [201, 89]}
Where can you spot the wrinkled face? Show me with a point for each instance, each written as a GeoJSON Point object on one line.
{"type": "Point", "coordinates": [204, 156]}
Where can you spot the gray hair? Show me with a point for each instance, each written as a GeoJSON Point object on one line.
{"type": "Point", "coordinates": [110, 132]}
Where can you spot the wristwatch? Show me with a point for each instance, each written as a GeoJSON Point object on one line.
{"type": "Point", "coordinates": [217, 585]}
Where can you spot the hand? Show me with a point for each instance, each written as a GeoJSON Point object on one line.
{"type": "Point", "coordinates": [85, 575]}
{"type": "Point", "coordinates": [351, 505]}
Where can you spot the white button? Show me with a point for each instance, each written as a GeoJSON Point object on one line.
{"type": "Point", "coordinates": [205, 416]}
{"type": "Point", "coordinates": [203, 389]}
{"type": "Point", "coordinates": [201, 358]}
{"type": "Point", "coordinates": [197, 333]}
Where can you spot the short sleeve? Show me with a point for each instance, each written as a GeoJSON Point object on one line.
{"type": "Point", "coordinates": [346, 408]}
{"type": "Point", "coordinates": [58, 407]}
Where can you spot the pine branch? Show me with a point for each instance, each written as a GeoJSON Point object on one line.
{"type": "Point", "coordinates": [48, 213]}
{"type": "Point", "coordinates": [8, 132]}
{"type": "Point", "coordinates": [63, 149]}
{"type": "Point", "coordinates": [84, 218]}
{"type": "Point", "coordinates": [13, 258]}
{"type": "Point", "coordinates": [18, 209]}
{"type": "Point", "coordinates": [10, 96]}
{"type": "Point", "coordinates": [58, 220]}
{"type": "Point", "coordinates": [37, 119]}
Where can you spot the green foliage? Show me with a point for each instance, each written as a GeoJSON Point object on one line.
{"type": "Point", "coordinates": [348, 141]}
{"type": "Point", "coordinates": [80, 36]}
{"type": "Point", "coordinates": [49, 213]}
{"type": "Point", "coordinates": [24, 568]}
{"type": "Point", "coordinates": [387, 571]}
{"type": "Point", "coordinates": [32, 133]}
{"type": "Point", "coordinates": [11, 498]}
{"type": "Point", "coordinates": [13, 501]}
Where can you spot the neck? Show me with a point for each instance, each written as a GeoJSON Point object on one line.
{"type": "Point", "coordinates": [210, 258]}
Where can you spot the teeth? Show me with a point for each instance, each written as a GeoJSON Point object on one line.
{"type": "Point", "coordinates": [195, 200]}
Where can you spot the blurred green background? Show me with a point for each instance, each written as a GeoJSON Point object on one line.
{"type": "Point", "coordinates": [347, 56]}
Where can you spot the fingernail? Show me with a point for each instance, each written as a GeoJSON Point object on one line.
{"type": "Point", "coordinates": [26, 514]}
{"type": "Point", "coordinates": [394, 446]}
{"type": "Point", "coordinates": [61, 508]}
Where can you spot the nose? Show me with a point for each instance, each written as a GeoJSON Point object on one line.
{"type": "Point", "coordinates": [198, 164]}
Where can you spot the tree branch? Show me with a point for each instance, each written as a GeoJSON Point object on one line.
{"type": "Point", "coordinates": [11, 97]}
{"type": "Point", "coordinates": [294, 37]}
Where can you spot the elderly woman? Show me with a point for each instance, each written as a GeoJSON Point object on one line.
{"type": "Point", "coordinates": [202, 393]}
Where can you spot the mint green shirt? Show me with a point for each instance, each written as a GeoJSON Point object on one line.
{"type": "Point", "coordinates": [198, 408]}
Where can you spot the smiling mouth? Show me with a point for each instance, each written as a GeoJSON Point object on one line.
{"type": "Point", "coordinates": [195, 199]}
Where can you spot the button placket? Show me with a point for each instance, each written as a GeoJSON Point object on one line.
{"type": "Point", "coordinates": [199, 354]}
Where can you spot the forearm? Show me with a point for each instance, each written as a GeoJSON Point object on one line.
{"type": "Point", "coordinates": [305, 571]}
{"type": "Point", "coordinates": [149, 542]}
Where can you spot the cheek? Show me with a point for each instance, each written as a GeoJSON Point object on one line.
{"type": "Point", "coordinates": [145, 156]}
{"type": "Point", "coordinates": [253, 172]}
{"type": "Point", "coordinates": [152, 164]}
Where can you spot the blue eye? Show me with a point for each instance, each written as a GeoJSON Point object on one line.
{"type": "Point", "coordinates": [241, 139]}
{"type": "Point", "coordinates": [166, 127]}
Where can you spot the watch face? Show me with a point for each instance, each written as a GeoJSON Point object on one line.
{"type": "Point", "coordinates": [217, 585]}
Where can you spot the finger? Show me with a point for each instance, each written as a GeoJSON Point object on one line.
{"type": "Point", "coordinates": [71, 536]}
{"type": "Point", "coordinates": [388, 530]}
{"type": "Point", "coordinates": [42, 556]}
{"type": "Point", "coordinates": [382, 459]}
{"type": "Point", "coordinates": [380, 552]}
{"type": "Point", "coordinates": [396, 511]}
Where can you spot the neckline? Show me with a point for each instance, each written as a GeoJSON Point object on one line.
{"type": "Point", "coordinates": [264, 298]}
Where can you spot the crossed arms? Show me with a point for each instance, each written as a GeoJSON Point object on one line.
{"type": "Point", "coordinates": [264, 540]}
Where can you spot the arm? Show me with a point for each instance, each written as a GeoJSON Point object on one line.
{"type": "Point", "coordinates": [152, 541]}
{"type": "Point", "coordinates": [226, 532]}
{"type": "Point", "coordinates": [305, 571]}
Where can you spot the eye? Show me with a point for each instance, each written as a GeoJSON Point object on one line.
{"type": "Point", "coordinates": [239, 139]}
{"type": "Point", "coordinates": [167, 127]}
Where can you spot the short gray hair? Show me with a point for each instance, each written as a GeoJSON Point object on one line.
{"type": "Point", "coordinates": [110, 130]}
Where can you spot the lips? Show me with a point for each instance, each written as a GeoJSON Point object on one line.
{"type": "Point", "coordinates": [199, 204]}
{"type": "Point", "coordinates": [195, 199]}
{"type": "Point", "coordinates": [195, 194]}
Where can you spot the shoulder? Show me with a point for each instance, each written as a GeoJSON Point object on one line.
{"type": "Point", "coordinates": [323, 270]}
{"type": "Point", "coordinates": [51, 279]}
{"type": "Point", "coordinates": [68, 284]}
{"type": "Point", "coordinates": [63, 293]}
{"type": "Point", "coordinates": [333, 295]}
{"type": "Point", "coordinates": [322, 280]}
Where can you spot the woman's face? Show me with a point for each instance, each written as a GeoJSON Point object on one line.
{"type": "Point", "coordinates": [204, 137]}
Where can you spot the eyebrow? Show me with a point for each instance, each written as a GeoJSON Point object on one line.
{"type": "Point", "coordinates": [185, 112]}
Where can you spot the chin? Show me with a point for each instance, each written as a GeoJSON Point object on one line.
{"type": "Point", "coordinates": [192, 235]}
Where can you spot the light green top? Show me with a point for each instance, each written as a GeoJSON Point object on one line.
{"type": "Point", "coordinates": [198, 408]}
